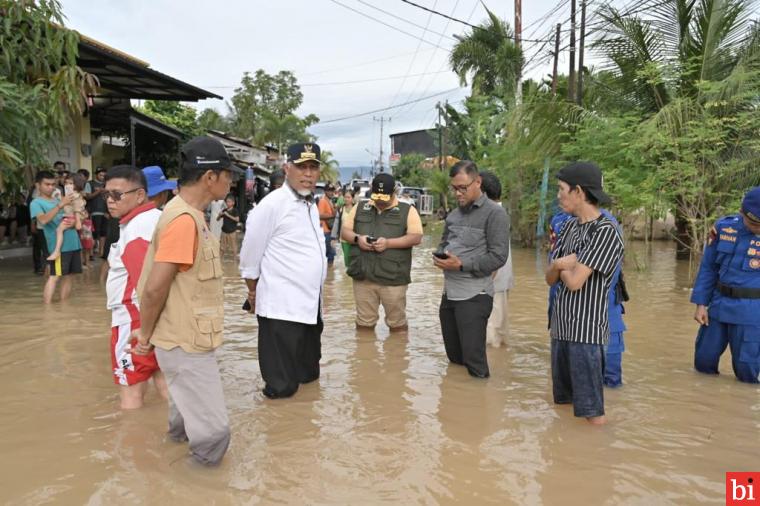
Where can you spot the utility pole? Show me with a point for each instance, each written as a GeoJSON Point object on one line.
{"type": "Point", "coordinates": [580, 55]}
{"type": "Point", "coordinates": [518, 43]}
{"type": "Point", "coordinates": [556, 60]}
{"type": "Point", "coordinates": [440, 137]}
{"type": "Point", "coordinates": [381, 163]}
{"type": "Point", "coordinates": [571, 75]}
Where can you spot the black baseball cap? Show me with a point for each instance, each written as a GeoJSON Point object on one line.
{"type": "Point", "coordinates": [207, 153]}
{"type": "Point", "coordinates": [586, 175]}
{"type": "Point", "coordinates": [304, 152]}
{"type": "Point", "coordinates": [383, 187]}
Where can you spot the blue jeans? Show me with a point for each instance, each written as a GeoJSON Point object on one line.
{"type": "Point", "coordinates": [329, 249]}
{"type": "Point", "coordinates": [577, 377]}
{"type": "Point", "coordinates": [613, 364]}
{"type": "Point", "coordinates": [744, 341]}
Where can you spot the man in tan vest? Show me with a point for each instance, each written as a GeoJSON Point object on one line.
{"type": "Point", "coordinates": [182, 303]}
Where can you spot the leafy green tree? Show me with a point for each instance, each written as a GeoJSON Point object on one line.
{"type": "Point", "coordinates": [408, 168]}
{"type": "Point", "coordinates": [489, 56]}
{"type": "Point", "coordinates": [210, 119]}
{"type": "Point", "coordinates": [329, 167]}
{"type": "Point", "coordinates": [694, 66]}
{"type": "Point", "coordinates": [263, 109]}
{"type": "Point", "coordinates": [180, 116]}
{"type": "Point", "coordinates": [41, 86]}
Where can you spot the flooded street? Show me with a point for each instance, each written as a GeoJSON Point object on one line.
{"type": "Point", "coordinates": [389, 421]}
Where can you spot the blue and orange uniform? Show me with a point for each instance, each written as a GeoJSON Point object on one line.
{"type": "Point", "coordinates": [728, 284]}
{"type": "Point", "coordinates": [613, 363]}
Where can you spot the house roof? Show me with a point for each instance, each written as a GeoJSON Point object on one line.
{"type": "Point", "coordinates": [124, 76]}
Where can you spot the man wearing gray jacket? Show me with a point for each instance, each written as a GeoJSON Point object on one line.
{"type": "Point", "coordinates": [475, 244]}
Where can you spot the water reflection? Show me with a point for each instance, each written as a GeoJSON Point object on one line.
{"type": "Point", "coordinates": [389, 420]}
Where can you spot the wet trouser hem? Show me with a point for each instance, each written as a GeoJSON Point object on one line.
{"type": "Point", "coordinates": [463, 326]}
{"type": "Point", "coordinates": [289, 354]}
{"type": "Point", "coordinates": [578, 374]}
{"type": "Point", "coordinates": [197, 409]}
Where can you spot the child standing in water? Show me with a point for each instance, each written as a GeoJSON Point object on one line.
{"type": "Point", "coordinates": [86, 238]}
{"type": "Point", "coordinates": [73, 185]}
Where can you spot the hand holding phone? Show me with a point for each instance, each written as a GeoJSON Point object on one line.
{"type": "Point", "coordinates": [371, 239]}
{"type": "Point", "coordinates": [441, 255]}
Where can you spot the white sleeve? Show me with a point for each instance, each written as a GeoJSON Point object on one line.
{"type": "Point", "coordinates": [258, 230]}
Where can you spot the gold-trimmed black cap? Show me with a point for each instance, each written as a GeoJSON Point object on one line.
{"type": "Point", "coordinates": [304, 152]}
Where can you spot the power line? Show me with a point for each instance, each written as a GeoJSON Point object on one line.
{"type": "Point", "coordinates": [362, 64]}
{"type": "Point", "coordinates": [467, 23]}
{"type": "Point", "coordinates": [387, 108]}
{"type": "Point", "coordinates": [381, 22]}
{"type": "Point", "coordinates": [427, 65]}
{"type": "Point", "coordinates": [540, 21]}
{"type": "Point", "coordinates": [444, 65]}
{"type": "Point", "coordinates": [414, 58]}
{"type": "Point", "coordinates": [373, 80]}
{"type": "Point", "coordinates": [425, 29]}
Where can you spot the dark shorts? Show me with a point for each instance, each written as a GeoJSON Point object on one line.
{"type": "Point", "coordinates": [578, 377]}
{"type": "Point", "coordinates": [70, 262]}
{"type": "Point", "coordinates": [99, 225]}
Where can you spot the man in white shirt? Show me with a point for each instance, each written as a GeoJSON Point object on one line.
{"type": "Point", "coordinates": [283, 263]}
{"type": "Point", "coordinates": [497, 331]}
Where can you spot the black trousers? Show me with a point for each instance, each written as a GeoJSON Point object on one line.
{"type": "Point", "coordinates": [289, 354]}
{"type": "Point", "coordinates": [39, 250]}
{"type": "Point", "coordinates": [463, 325]}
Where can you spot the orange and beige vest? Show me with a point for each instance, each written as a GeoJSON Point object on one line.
{"type": "Point", "coordinates": [193, 316]}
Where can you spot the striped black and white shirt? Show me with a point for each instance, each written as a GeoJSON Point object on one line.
{"type": "Point", "coordinates": [581, 316]}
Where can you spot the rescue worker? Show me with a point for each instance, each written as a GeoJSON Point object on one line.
{"type": "Point", "coordinates": [727, 293]}
{"type": "Point", "coordinates": [613, 365]}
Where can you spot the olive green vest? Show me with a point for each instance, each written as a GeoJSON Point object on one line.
{"type": "Point", "coordinates": [193, 316]}
{"type": "Point", "coordinates": [391, 267]}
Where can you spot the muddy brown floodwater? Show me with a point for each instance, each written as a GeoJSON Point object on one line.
{"type": "Point", "coordinates": [389, 421]}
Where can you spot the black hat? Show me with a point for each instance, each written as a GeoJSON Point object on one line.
{"type": "Point", "coordinates": [586, 175]}
{"type": "Point", "coordinates": [304, 152]}
{"type": "Point", "coordinates": [207, 153]}
{"type": "Point", "coordinates": [383, 187]}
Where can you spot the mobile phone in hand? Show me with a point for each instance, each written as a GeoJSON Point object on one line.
{"type": "Point", "coordinates": [247, 305]}
{"type": "Point", "coordinates": [371, 239]}
{"type": "Point", "coordinates": [442, 256]}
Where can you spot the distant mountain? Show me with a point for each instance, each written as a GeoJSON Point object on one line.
{"type": "Point", "coordinates": [346, 172]}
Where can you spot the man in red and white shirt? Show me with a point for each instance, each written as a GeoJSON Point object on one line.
{"type": "Point", "coordinates": [126, 193]}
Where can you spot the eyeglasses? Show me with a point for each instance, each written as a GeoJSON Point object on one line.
{"type": "Point", "coordinates": [117, 195]}
{"type": "Point", "coordinates": [461, 188]}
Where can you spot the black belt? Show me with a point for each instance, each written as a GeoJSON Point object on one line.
{"type": "Point", "coordinates": [737, 292]}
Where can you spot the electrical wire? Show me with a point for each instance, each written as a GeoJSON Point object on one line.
{"type": "Point", "coordinates": [382, 22]}
{"type": "Point", "coordinates": [427, 65]}
{"type": "Point", "coordinates": [474, 27]}
{"type": "Point", "coordinates": [387, 108]}
{"type": "Point", "coordinates": [414, 58]}
{"type": "Point", "coordinates": [425, 29]}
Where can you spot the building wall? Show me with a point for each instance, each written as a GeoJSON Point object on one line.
{"type": "Point", "coordinates": [74, 148]}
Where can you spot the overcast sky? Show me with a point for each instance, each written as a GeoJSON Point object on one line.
{"type": "Point", "coordinates": [210, 45]}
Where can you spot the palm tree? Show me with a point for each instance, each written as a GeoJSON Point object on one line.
{"type": "Point", "coordinates": [490, 57]}
{"type": "Point", "coordinates": [330, 166]}
{"type": "Point", "coordinates": [690, 64]}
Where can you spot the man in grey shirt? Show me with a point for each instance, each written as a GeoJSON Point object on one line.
{"type": "Point", "coordinates": [474, 245]}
